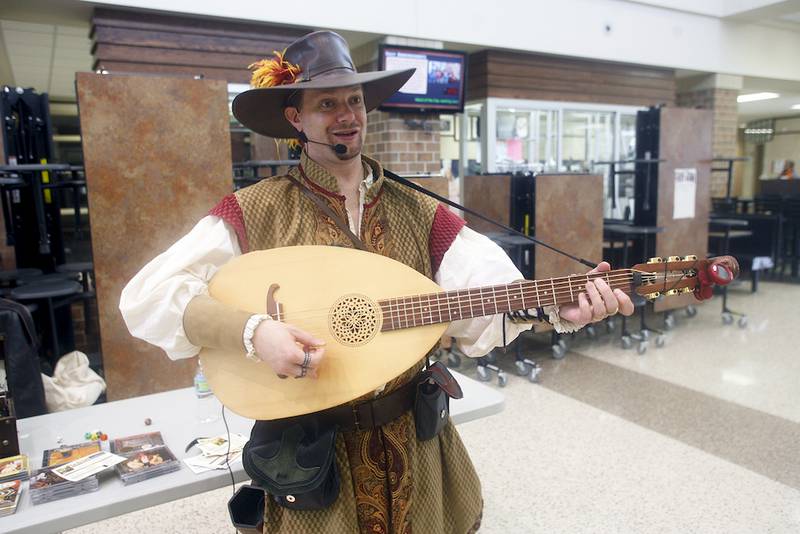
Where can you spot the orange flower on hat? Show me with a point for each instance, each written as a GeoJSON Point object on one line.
{"type": "Point", "coordinates": [273, 71]}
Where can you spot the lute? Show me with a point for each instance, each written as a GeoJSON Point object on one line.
{"type": "Point", "coordinates": [379, 317]}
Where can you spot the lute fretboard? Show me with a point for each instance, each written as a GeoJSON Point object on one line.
{"type": "Point", "coordinates": [448, 306]}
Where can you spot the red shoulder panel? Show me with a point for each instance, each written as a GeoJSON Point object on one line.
{"type": "Point", "coordinates": [229, 211]}
{"type": "Point", "coordinates": [446, 226]}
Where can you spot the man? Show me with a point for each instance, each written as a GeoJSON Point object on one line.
{"type": "Point", "coordinates": [391, 482]}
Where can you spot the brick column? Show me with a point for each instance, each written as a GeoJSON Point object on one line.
{"type": "Point", "coordinates": [718, 93]}
{"type": "Point", "coordinates": [401, 148]}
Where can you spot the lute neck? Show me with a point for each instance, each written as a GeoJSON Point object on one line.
{"type": "Point", "coordinates": [448, 306]}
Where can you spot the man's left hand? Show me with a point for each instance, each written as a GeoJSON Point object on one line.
{"type": "Point", "coordinates": [597, 302]}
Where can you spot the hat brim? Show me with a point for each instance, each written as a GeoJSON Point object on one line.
{"type": "Point", "coordinates": [261, 110]}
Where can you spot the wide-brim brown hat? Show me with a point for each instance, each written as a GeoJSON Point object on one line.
{"type": "Point", "coordinates": [319, 60]}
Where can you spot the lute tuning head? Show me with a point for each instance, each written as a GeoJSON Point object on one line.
{"type": "Point", "coordinates": [678, 275]}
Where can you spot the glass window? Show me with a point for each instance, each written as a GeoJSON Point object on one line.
{"type": "Point", "coordinates": [526, 139]}
{"type": "Point", "coordinates": [621, 207]}
{"type": "Point", "coordinates": [588, 137]}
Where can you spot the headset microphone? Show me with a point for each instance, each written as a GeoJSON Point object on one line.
{"type": "Point", "coordinates": [338, 147]}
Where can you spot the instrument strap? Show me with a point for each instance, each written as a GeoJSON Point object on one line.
{"type": "Point", "coordinates": [327, 210]}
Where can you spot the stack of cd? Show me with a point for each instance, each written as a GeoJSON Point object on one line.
{"type": "Point", "coordinates": [146, 457]}
{"type": "Point", "coordinates": [14, 468]}
{"type": "Point", "coordinates": [9, 497]}
{"type": "Point", "coordinates": [46, 486]}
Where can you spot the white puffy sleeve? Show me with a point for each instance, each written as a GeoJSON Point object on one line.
{"type": "Point", "coordinates": [153, 302]}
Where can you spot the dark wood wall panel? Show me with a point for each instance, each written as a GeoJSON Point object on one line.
{"type": "Point", "coordinates": [158, 157]}
{"type": "Point", "coordinates": [128, 41]}
{"type": "Point", "coordinates": [503, 74]}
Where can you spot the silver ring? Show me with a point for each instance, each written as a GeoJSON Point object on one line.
{"type": "Point", "coordinates": [304, 365]}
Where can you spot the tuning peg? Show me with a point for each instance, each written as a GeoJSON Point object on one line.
{"type": "Point", "coordinates": [690, 257]}
{"type": "Point", "coordinates": [674, 258]}
{"type": "Point", "coordinates": [655, 260]}
{"type": "Point", "coordinates": [653, 296]}
{"type": "Point", "coordinates": [685, 290]}
{"type": "Point", "coordinates": [671, 292]}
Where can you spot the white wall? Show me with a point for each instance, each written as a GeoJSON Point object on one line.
{"type": "Point", "coordinates": [639, 32]}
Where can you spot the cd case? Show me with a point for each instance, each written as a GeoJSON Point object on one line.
{"type": "Point", "coordinates": [146, 457]}
{"type": "Point", "coordinates": [46, 486]}
{"type": "Point", "coordinates": [9, 496]}
{"type": "Point", "coordinates": [69, 453]}
{"type": "Point", "coordinates": [14, 468]}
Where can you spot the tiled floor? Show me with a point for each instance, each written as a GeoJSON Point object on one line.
{"type": "Point", "coordinates": [702, 435]}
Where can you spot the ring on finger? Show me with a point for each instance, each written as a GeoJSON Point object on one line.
{"type": "Point", "coordinates": [304, 365]}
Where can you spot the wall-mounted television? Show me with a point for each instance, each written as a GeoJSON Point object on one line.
{"type": "Point", "coordinates": [438, 84]}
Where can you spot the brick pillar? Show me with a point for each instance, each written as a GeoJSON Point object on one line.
{"type": "Point", "coordinates": [717, 93]}
{"type": "Point", "coordinates": [401, 148]}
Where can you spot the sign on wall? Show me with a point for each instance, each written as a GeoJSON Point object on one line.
{"type": "Point", "coordinates": [685, 193]}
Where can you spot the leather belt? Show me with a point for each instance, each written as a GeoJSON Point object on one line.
{"type": "Point", "coordinates": [373, 413]}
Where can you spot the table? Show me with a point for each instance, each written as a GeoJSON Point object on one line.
{"type": "Point", "coordinates": [180, 417]}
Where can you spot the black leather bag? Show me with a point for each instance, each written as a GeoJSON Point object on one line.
{"type": "Point", "coordinates": [295, 462]}
{"type": "Point", "coordinates": [435, 387]}
{"type": "Point", "coordinates": [246, 509]}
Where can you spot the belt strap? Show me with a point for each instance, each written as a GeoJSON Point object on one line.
{"type": "Point", "coordinates": [327, 210]}
{"type": "Point", "coordinates": [370, 414]}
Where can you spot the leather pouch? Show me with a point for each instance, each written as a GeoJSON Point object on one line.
{"type": "Point", "coordinates": [432, 402]}
{"type": "Point", "coordinates": [295, 463]}
{"type": "Point", "coordinates": [246, 509]}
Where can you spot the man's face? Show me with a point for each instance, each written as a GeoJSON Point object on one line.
{"type": "Point", "coordinates": [333, 116]}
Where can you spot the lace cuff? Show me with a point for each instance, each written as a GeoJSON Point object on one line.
{"type": "Point", "coordinates": [548, 314]}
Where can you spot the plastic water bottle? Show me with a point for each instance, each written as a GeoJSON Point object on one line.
{"type": "Point", "coordinates": [201, 388]}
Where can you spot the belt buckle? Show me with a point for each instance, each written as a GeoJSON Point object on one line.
{"type": "Point", "coordinates": [357, 417]}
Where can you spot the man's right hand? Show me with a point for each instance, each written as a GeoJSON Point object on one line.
{"type": "Point", "coordinates": [283, 347]}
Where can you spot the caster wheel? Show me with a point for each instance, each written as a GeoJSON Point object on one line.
{"type": "Point", "coordinates": [743, 321]}
{"type": "Point", "coordinates": [591, 332]}
{"type": "Point", "coordinates": [691, 311]}
{"type": "Point", "coordinates": [491, 357]}
{"type": "Point", "coordinates": [520, 368]}
{"type": "Point", "coordinates": [483, 374]}
{"type": "Point", "coordinates": [669, 322]}
{"type": "Point", "coordinates": [534, 376]}
{"type": "Point", "coordinates": [645, 334]}
{"type": "Point", "coordinates": [559, 352]}
{"type": "Point", "coordinates": [642, 348]}
{"type": "Point", "coordinates": [502, 379]}
{"type": "Point", "coordinates": [610, 325]}
{"type": "Point", "coordinates": [627, 342]}
{"type": "Point", "coordinates": [661, 341]}
{"type": "Point", "coordinates": [727, 318]}
{"type": "Point", "coordinates": [453, 360]}
{"type": "Point", "coordinates": [562, 344]}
